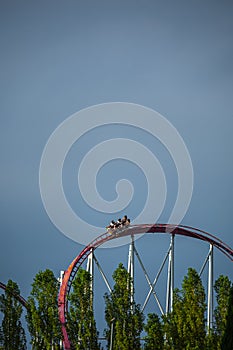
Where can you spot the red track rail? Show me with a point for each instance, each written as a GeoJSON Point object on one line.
{"type": "Point", "coordinates": [17, 296]}
{"type": "Point", "coordinates": [132, 230]}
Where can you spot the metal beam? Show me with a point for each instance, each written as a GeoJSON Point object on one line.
{"type": "Point", "coordinates": [131, 268]}
{"type": "Point", "coordinates": [172, 268]}
{"type": "Point", "coordinates": [170, 277]}
{"type": "Point", "coordinates": [204, 264]}
{"type": "Point", "coordinates": [90, 269]}
{"type": "Point", "coordinates": [210, 290]}
{"type": "Point", "coordinates": [102, 274]}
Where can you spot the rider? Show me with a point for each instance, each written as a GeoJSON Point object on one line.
{"type": "Point", "coordinates": [118, 223]}
{"type": "Point", "coordinates": [124, 220]}
{"type": "Point", "coordinates": [111, 225]}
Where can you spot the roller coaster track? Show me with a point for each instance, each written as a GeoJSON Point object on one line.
{"type": "Point", "coordinates": [16, 296]}
{"type": "Point", "coordinates": [132, 230]}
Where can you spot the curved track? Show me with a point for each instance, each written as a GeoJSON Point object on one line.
{"type": "Point", "coordinates": [129, 231]}
{"type": "Point", "coordinates": [17, 296]}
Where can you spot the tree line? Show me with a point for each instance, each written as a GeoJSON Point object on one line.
{"type": "Point", "coordinates": [126, 326]}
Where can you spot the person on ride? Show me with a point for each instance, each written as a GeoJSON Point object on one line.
{"type": "Point", "coordinates": [111, 225]}
{"type": "Point", "coordinates": [118, 223]}
{"type": "Point", "coordinates": [124, 220]}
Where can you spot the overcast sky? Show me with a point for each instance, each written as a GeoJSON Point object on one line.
{"type": "Point", "coordinates": [58, 57]}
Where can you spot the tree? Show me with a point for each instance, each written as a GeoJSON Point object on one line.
{"type": "Point", "coordinates": [227, 339]}
{"type": "Point", "coordinates": [173, 323]}
{"type": "Point", "coordinates": [81, 323]}
{"type": "Point", "coordinates": [154, 339]}
{"type": "Point", "coordinates": [42, 315]}
{"type": "Point", "coordinates": [124, 318]}
{"type": "Point", "coordinates": [1, 338]}
{"type": "Point", "coordinates": [185, 326]}
{"type": "Point", "coordinates": [12, 332]}
{"type": "Point", "coordinates": [222, 289]}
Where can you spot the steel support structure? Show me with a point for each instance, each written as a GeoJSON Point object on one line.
{"type": "Point", "coordinates": [132, 230]}
{"type": "Point", "coordinates": [102, 273]}
{"type": "Point", "coordinates": [210, 289]}
{"type": "Point", "coordinates": [154, 283]}
{"type": "Point", "coordinates": [131, 269]}
{"type": "Point", "coordinates": [149, 282]}
{"type": "Point", "coordinates": [60, 278]}
{"type": "Point", "coordinates": [170, 276]}
{"type": "Point", "coordinates": [90, 268]}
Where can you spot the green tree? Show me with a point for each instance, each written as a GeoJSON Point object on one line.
{"type": "Point", "coordinates": [124, 318]}
{"type": "Point", "coordinates": [154, 339]}
{"type": "Point", "coordinates": [227, 339]}
{"type": "Point", "coordinates": [185, 326]}
{"type": "Point", "coordinates": [12, 332]}
{"type": "Point", "coordinates": [42, 315]}
{"type": "Point", "coordinates": [222, 288]}
{"type": "Point", "coordinates": [173, 323]}
{"type": "Point", "coordinates": [1, 338]}
{"type": "Point", "coordinates": [81, 324]}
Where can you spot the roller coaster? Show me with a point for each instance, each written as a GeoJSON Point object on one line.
{"type": "Point", "coordinates": [131, 231]}
{"type": "Point", "coordinates": [16, 296]}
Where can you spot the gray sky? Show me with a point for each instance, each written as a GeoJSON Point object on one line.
{"type": "Point", "coordinates": [58, 57]}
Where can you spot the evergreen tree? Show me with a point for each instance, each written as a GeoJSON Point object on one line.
{"type": "Point", "coordinates": [222, 289]}
{"type": "Point", "coordinates": [12, 332]}
{"type": "Point", "coordinates": [42, 315]}
{"type": "Point", "coordinates": [185, 326]}
{"type": "Point", "coordinates": [1, 338]}
{"type": "Point", "coordinates": [194, 309]}
{"type": "Point", "coordinates": [81, 324]}
{"type": "Point", "coordinates": [154, 339]}
{"type": "Point", "coordinates": [227, 339]}
{"type": "Point", "coordinates": [124, 318]}
{"type": "Point", "coordinates": [173, 323]}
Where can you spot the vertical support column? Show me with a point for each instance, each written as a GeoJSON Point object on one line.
{"type": "Point", "coordinates": [61, 276]}
{"type": "Point", "coordinates": [60, 281]}
{"type": "Point", "coordinates": [111, 334]}
{"type": "Point", "coordinates": [210, 290]}
{"type": "Point", "coordinates": [172, 270]}
{"type": "Point", "coordinates": [131, 268]}
{"type": "Point", "coordinates": [168, 283]}
{"type": "Point", "coordinates": [90, 269]}
{"type": "Point", "coordinates": [170, 276]}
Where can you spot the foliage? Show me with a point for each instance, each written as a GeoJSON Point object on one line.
{"type": "Point", "coordinates": [185, 326]}
{"type": "Point", "coordinates": [12, 332]}
{"type": "Point", "coordinates": [154, 339]}
{"type": "Point", "coordinates": [227, 339]}
{"type": "Point", "coordinates": [222, 289]}
{"type": "Point", "coordinates": [182, 329]}
{"type": "Point", "coordinates": [42, 316]}
{"type": "Point", "coordinates": [1, 338]}
{"type": "Point", "coordinates": [124, 318]}
{"type": "Point", "coordinates": [81, 324]}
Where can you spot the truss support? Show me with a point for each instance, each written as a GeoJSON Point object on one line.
{"type": "Point", "coordinates": [205, 262]}
{"type": "Point", "coordinates": [155, 280]}
{"type": "Point", "coordinates": [131, 268]}
{"type": "Point", "coordinates": [149, 282]}
{"type": "Point", "coordinates": [170, 276]}
{"type": "Point", "coordinates": [210, 290]}
{"type": "Point", "coordinates": [102, 273]}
